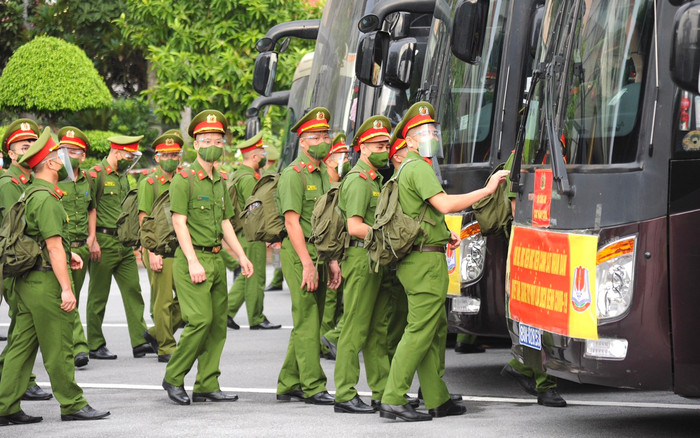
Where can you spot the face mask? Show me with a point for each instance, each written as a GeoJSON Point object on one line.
{"type": "Point", "coordinates": [319, 151]}
{"type": "Point", "coordinates": [211, 153]}
{"type": "Point", "coordinates": [378, 159]}
{"type": "Point", "coordinates": [345, 169]}
{"type": "Point", "coordinates": [75, 163]}
{"type": "Point", "coordinates": [169, 165]}
{"type": "Point", "coordinates": [122, 165]}
{"type": "Point", "coordinates": [429, 148]}
{"type": "Point", "coordinates": [262, 162]}
{"type": "Point", "coordinates": [62, 173]}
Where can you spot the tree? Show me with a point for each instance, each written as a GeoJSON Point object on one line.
{"type": "Point", "coordinates": [202, 55]}
{"type": "Point", "coordinates": [50, 77]}
{"type": "Point", "coordinates": [11, 28]}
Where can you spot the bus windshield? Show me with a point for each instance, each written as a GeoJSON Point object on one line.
{"type": "Point", "coordinates": [596, 99]}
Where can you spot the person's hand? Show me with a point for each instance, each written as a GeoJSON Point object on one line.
{"type": "Point", "coordinates": [454, 240]}
{"type": "Point", "coordinates": [95, 251]}
{"type": "Point", "coordinates": [496, 179]}
{"type": "Point", "coordinates": [197, 274]}
{"type": "Point", "coordinates": [76, 262]}
{"type": "Point", "coordinates": [309, 277]}
{"type": "Point", "coordinates": [155, 261]}
{"type": "Point", "coordinates": [246, 267]}
{"type": "Point", "coordinates": [67, 300]}
{"type": "Point", "coordinates": [335, 275]}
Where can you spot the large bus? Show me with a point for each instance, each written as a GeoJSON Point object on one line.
{"type": "Point", "coordinates": [603, 259]}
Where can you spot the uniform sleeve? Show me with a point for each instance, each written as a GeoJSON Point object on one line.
{"type": "Point", "coordinates": [179, 194]}
{"type": "Point", "coordinates": [145, 196]}
{"type": "Point", "coordinates": [228, 207]}
{"type": "Point", "coordinates": [48, 214]}
{"type": "Point", "coordinates": [290, 194]}
{"type": "Point", "coordinates": [423, 180]}
{"type": "Point", "coordinates": [9, 195]}
{"type": "Point", "coordinates": [355, 194]}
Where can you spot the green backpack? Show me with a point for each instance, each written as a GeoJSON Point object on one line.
{"type": "Point", "coordinates": [19, 252]}
{"type": "Point", "coordinates": [494, 212]}
{"type": "Point", "coordinates": [261, 217]}
{"type": "Point", "coordinates": [391, 237]}
{"type": "Point", "coordinates": [128, 221]}
{"type": "Point", "coordinates": [236, 220]}
{"type": "Point", "coordinates": [328, 232]}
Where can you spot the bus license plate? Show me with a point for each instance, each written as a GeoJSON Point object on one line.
{"type": "Point", "coordinates": [530, 337]}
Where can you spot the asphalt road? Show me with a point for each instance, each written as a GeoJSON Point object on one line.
{"type": "Point", "coordinates": [130, 389]}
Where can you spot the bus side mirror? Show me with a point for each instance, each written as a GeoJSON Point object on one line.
{"type": "Point", "coordinates": [685, 51]}
{"type": "Point", "coordinates": [469, 30]}
{"type": "Point", "coordinates": [399, 63]}
{"type": "Point", "coordinates": [371, 57]}
{"type": "Point", "coordinates": [264, 73]}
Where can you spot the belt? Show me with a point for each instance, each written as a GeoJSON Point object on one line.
{"type": "Point", "coordinates": [211, 249]}
{"type": "Point", "coordinates": [78, 243]}
{"type": "Point", "coordinates": [428, 248]}
{"type": "Point", "coordinates": [109, 231]}
{"type": "Point", "coordinates": [42, 268]}
{"type": "Point", "coordinates": [357, 243]}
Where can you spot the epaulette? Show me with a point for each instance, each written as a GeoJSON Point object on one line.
{"type": "Point", "coordinates": [184, 174]}
{"type": "Point", "coordinates": [98, 168]}
{"type": "Point", "coordinates": [93, 174]}
{"type": "Point", "coordinates": [223, 175]}
{"type": "Point", "coordinates": [363, 176]}
{"type": "Point", "coordinates": [14, 180]}
{"type": "Point", "coordinates": [150, 180]}
{"type": "Point", "coordinates": [296, 169]}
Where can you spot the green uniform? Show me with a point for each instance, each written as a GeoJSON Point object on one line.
{"type": "Point", "coordinates": [117, 260]}
{"type": "Point", "coordinates": [424, 277]}
{"type": "Point", "coordinates": [302, 365]}
{"type": "Point", "coordinates": [39, 321]}
{"type": "Point", "coordinates": [365, 307]}
{"type": "Point", "coordinates": [12, 186]}
{"type": "Point", "coordinates": [332, 313]}
{"type": "Point", "coordinates": [166, 308]}
{"type": "Point", "coordinates": [203, 305]}
{"type": "Point", "coordinates": [251, 290]}
{"type": "Point", "coordinates": [78, 198]}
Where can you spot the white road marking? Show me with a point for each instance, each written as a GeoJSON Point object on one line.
{"type": "Point", "coordinates": [481, 399]}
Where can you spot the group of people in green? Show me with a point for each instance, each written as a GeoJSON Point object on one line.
{"type": "Point", "coordinates": [394, 315]}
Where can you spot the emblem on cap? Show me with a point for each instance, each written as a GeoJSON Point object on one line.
{"type": "Point", "coordinates": [211, 118]}
{"type": "Point", "coordinates": [70, 133]}
{"type": "Point", "coordinates": [378, 124]}
{"type": "Point", "coordinates": [24, 126]}
{"type": "Point", "coordinates": [319, 116]}
{"type": "Point", "coordinates": [169, 141]}
{"type": "Point", "coordinates": [423, 111]}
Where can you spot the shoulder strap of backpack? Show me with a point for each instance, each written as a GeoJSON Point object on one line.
{"type": "Point", "coordinates": [100, 185]}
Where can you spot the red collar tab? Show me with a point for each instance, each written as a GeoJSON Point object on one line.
{"type": "Point", "coordinates": [23, 179]}
{"type": "Point", "coordinates": [256, 175]}
{"type": "Point", "coordinates": [58, 192]}
{"type": "Point", "coordinates": [372, 174]}
{"type": "Point", "coordinates": [428, 160]}
{"type": "Point", "coordinates": [201, 175]}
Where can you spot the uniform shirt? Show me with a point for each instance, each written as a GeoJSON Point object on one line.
{"type": "Point", "coordinates": [116, 186]}
{"type": "Point", "coordinates": [11, 188]}
{"type": "Point", "coordinates": [246, 178]}
{"type": "Point", "coordinates": [291, 196]}
{"type": "Point", "coordinates": [417, 184]}
{"type": "Point", "coordinates": [150, 187]}
{"type": "Point", "coordinates": [206, 208]}
{"type": "Point", "coordinates": [46, 216]}
{"type": "Point", "coordinates": [359, 193]}
{"type": "Point", "coordinates": [78, 198]}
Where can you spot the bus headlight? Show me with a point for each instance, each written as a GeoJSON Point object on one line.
{"type": "Point", "coordinates": [615, 277]}
{"type": "Point", "coordinates": [473, 253]}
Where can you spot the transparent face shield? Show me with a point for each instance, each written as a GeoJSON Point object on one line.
{"type": "Point", "coordinates": [64, 156]}
{"type": "Point", "coordinates": [133, 158]}
{"type": "Point", "coordinates": [341, 159]}
{"type": "Point", "coordinates": [429, 139]}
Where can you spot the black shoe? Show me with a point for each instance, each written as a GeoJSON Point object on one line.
{"type": "Point", "coordinates": [468, 348]}
{"type": "Point", "coordinates": [164, 358]}
{"type": "Point", "coordinates": [354, 406]}
{"type": "Point", "coordinates": [19, 418]}
{"type": "Point", "coordinates": [230, 323]}
{"type": "Point", "coordinates": [80, 360]}
{"type": "Point", "coordinates": [330, 346]}
{"type": "Point", "coordinates": [271, 287]}
{"type": "Point", "coordinates": [102, 353]}
{"type": "Point", "coordinates": [447, 408]}
{"type": "Point", "coordinates": [4, 338]}
{"type": "Point", "coordinates": [402, 412]}
{"type": "Point", "coordinates": [527, 383]}
{"type": "Point", "coordinates": [151, 340]}
{"type": "Point", "coordinates": [265, 325]}
{"type": "Point", "coordinates": [413, 401]}
{"type": "Point", "coordinates": [321, 398]}
{"type": "Point", "coordinates": [86, 413]}
{"type": "Point", "coordinates": [216, 396]}
{"type": "Point", "coordinates": [293, 395]}
{"type": "Point", "coordinates": [551, 398]}
{"type": "Point", "coordinates": [141, 350]}
{"type": "Point", "coordinates": [176, 393]}
{"type": "Point", "coordinates": [35, 393]}
{"type": "Point", "coordinates": [453, 397]}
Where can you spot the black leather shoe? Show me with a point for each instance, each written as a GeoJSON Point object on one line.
{"type": "Point", "coordinates": [176, 393]}
{"type": "Point", "coordinates": [447, 408]}
{"type": "Point", "coordinates": [413, 401]}
{"type": "Point", "coordinates": [293, 395]}
{"type": "Point", "coordinates": [527, 383]}
{"type": "Point", "coordinates": [551, 398]}
{"type": "Point", "coordinates": [321, 398]}
{"type": "Point", "coordinates": [4, 338]}
{"type": "Point", "coordinates": [216, 396]}
{"type": "Point", "coordinates": [271, 287]}
{"type": "Point", "coordinates": [141, 350]}
{"type": "Point", "coordinates": [453, 397]}
{"type": "Point", "coordinates": [19, 418]}
{"type": "Point", "coordinates": [35, 393]}
{"type": "Point", "coordinates": [102, 353]}
{"type": "Point", "coordinates": [265, 325]}
{"type": "Point", "coordinates": [330, 346]}
{"type": "Point", "coordinates": [86, 413]}
{"type": "Point", "coordinates": [354, 406]}
{"type": "Point", "coordinates": [164, 358]}
{"type": "Point", "coordinates": [151, 341]}
{"type": "Point", "coordinates": [230, 323]}
{"type": "Point", "coordinates": [80, 360]}
{"type": "Point", "coordinates": [402, 412]}
{"type": "Point", "coordinates": [468, 348]}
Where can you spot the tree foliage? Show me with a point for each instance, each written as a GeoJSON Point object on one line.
{"type": "Point", "coordinates": [50, 76]}
{"type": "Point", "coordinates": [11, 28]}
